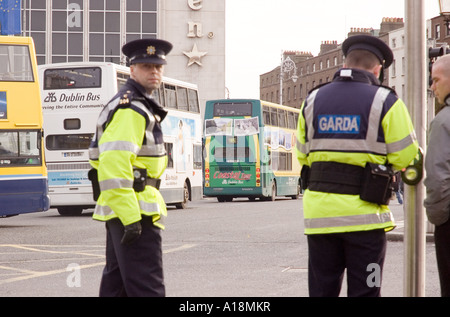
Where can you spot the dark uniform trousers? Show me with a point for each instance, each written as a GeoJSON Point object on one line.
{"type": "Point", "coordinates": [330, 254]}
{"type": "Point", "coordinates": [442, 242]}
{"type": "Point", "coordinates": [133, 270]}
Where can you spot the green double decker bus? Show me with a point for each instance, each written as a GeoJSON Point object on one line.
{"type": "Point", "coordinates": [249, 150]}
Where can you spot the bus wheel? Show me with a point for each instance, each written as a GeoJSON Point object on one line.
{"type": "Point", "coordinates": [274, 191]}
{"type": "Point", "coordinates": [70, 211]}
{"type": "Point", "coordinates": [183, 204]}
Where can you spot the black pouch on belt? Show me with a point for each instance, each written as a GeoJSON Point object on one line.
{"type": "Point", "coordinates": [93, 177]}
{"type": "Point", "coordinates": [376, 186]}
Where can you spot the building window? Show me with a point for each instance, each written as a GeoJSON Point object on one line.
{"type": "Point", "coordinates": [67, 36]}
{"type": "Point", "coordinates": [437, 31]}
{"type": "Point", "coordinates": [403, 65]}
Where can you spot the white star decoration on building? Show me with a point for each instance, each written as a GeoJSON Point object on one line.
{"type": "Point", "coordinates": [195, 56]}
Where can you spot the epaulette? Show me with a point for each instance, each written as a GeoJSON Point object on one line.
{"type": "Point", "coordinates": [125, 99]}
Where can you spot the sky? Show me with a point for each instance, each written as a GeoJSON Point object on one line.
{"type": "Point", "coordinates": [257, 31]}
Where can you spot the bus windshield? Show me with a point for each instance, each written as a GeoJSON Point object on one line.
{"type": "Point", "coordinates": [234, 109]}
{"type": "Point", "coordinates": [19, 148]}
{"type": "Point", "coordinates": [15, 64]}
{"type": "Point", "coordinates": [72, 78]}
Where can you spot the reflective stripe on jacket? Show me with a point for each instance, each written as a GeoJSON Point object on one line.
{"type": "Point", "coordinates": [128, 136]}
{"type": "Point", "coordinates": [352, 120]}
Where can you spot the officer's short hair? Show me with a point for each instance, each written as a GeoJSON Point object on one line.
{"type": "Point", "coordinates": [361, 59]}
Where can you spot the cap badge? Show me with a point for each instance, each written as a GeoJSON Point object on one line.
{"type": "Point", "coordinates": [151, 50]}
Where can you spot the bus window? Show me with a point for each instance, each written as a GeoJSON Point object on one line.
{"type": "Point", "coordinates": [193, 100]}
{"type": "Point", "coordinates": [182, 98]}
{"type": "Point", "coordinates": [72, 124]}
{"type": "Point", "coordinates": [17, 68]}
{"type": "Point", "coordinates": [266, 115]}
{"type": "Point", "coordinates": [292, 123]}
{"type": "Point", "coordinates": [121, 79]}
{"type": "Point", "coordinates": [273, 117]}
{"type": "Point", "coordinates": [171, 96]}
{"type": "Point", "coordinates": [155, 95]}
{"type": "Point", "coordinates": [282, 118]}
{"type": "Point", "coordinates": [197, 153]}
{"type": "Point", "coordinates": [68, 141]}
{"type": "Point", "coordinates": [68, 78]}
{"type": "Point", "coordinates": [275, 156]}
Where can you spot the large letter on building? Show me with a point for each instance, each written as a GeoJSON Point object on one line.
{"type": "Point", "coordinates": [195, 4]}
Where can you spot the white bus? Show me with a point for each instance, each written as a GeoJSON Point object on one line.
{"type": "Point", "coordinates": [73, 94]}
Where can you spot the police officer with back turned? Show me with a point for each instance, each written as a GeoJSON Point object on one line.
{"type": "Point", "coordinates": [353, 134]}
{"type": "Point", "coordinates": [128, 157]}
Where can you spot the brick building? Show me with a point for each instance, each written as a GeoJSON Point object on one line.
{"type": "Point", "coordinates": [315, 70]}
{"type": "Point", "coordinates": [439, 30]}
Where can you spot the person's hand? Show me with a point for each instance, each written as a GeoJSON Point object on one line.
{"type": "Point", "coordinates": [131, 233]}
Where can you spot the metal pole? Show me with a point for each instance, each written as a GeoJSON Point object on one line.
{"type": "Point", "coordinates": [281, 77]}
{"type": "Point", "coordinates": [416, 99]}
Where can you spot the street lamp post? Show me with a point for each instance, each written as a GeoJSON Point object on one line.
{"type": "Point", "coordinates": [287, 66]}
{"type": "Point", "coordinates": [444, 8]}
{"type": "Point", "coordinates": [416, 97]}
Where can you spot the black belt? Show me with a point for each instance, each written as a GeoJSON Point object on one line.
{"type": "Point", "coordinates": [338, 178]}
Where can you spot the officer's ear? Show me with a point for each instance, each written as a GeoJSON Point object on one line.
{"type": "Point", "coordinates": [376, 70]}
{"type": "Point", "coordinates": [132, 66]}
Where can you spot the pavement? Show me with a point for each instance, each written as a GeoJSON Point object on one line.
{"type": "Point", "coordinates": [399, 216]}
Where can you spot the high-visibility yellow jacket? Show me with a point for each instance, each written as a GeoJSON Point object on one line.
{"type": "Point", "coordinates": [352, 120]}
{"type": "Point", "coordinates": [128, 136]}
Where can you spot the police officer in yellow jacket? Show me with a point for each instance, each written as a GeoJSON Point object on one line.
{"type": "Point", "coordinates": [128, 154]}
{"type": "Point", "coordinates": [352, 135]}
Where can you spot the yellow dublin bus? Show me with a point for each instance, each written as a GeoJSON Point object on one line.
{"type": "Point", "coordinates": [23, 174]}
{"type": "Point", "coordinates": [249, 150]}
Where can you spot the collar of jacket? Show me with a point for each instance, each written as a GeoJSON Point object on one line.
{"type": "Point", "coordinates": [358, 75]}
{"type": "Point", "coordinates": [447, 100]}
{"type": "Point", "coordinates": [156, 108]}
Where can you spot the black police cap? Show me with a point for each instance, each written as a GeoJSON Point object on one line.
{"type": "Point", "coordinates": [371, 44]}
{"type": "Point", "coordinates": [151, 51]}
